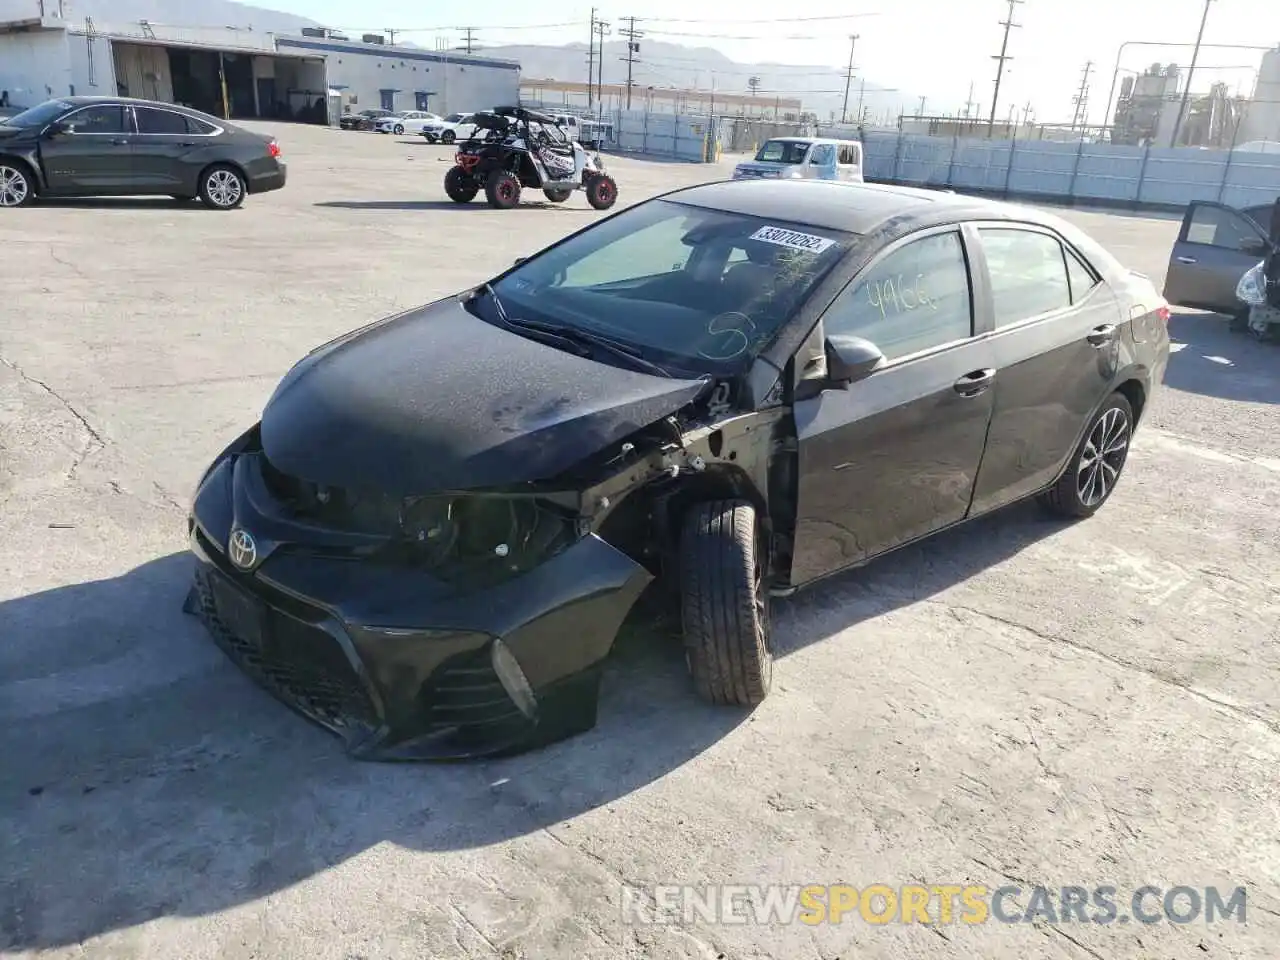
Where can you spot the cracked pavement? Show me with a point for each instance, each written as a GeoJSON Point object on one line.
{"type": "Point", "coordinates": [1017, 701]}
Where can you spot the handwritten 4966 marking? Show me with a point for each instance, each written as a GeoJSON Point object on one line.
{"type": "Point", "coordinates": [892, 292]}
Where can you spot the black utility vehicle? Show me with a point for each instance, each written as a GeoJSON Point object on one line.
{"type": "Point", "coordinates": [514, 148]}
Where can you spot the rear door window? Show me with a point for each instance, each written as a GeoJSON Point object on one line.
{"type": "Point", "coordinates": [1028, 273]}
{"type": "Point", "coordinates": [155, 121]}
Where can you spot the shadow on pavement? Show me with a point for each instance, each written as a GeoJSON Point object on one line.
{"type": "Point", "coordinates": [144, 776]}
{"type": "Point", "coordinates": [477, 204]}
{"type": "Point", "coordinates": [122, 203]}
{"type": "Point", "coordinates": [1209, 359]}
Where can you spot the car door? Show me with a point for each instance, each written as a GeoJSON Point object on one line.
{"type": "Point", "coordinates": [90, 151]}
{"type": "Point", "coordinates": [822, 162]}
{"type": "Point", "coordinates": [895, 455]}
{"type": "Point", "coordinates": [1056, 335]}
{"type": "Point", "coordinates": [162, 147]}
{"type": "Point", "coordinates": [1216, 246]}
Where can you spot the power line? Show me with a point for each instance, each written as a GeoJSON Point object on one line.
{"type": "Point", "coordinates": [591, 62]}
{"type": "Point", "coordinates": [1008, 25]}
{"type": "Point", "coordinates": [633, 50]}
{"type": "Point", "coordinates": [838, 16]}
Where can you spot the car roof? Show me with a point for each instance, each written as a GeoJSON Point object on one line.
{"type": "Point", "coordinates": [835, 205]}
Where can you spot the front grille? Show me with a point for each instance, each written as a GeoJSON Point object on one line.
{"type": "Point", "coordinates": [466, 694]}
{"type": "Point", "coordinates": [300, 663]}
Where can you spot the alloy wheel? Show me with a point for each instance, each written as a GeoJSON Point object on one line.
{"type": "Point", "coordinates": [1102, 457]}
{"type": "Point", "coordinates": [14, 187]}
{"type": "Point", "coordinates": [224, 188]}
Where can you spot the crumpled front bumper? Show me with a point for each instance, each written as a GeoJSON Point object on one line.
{"type": "Point", "coordinates": [402, 666]}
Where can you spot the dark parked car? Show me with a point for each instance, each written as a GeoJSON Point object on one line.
{"type": "Point", "coordinates": [1216, 246]}
{"type": "Point", "coordinates": [364, 120]}
{"type": "Point", "coordinates": [99, 146]}
{"type": "Point", "coordinates": [430, 538]}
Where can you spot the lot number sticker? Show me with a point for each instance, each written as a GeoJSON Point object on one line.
{"type": "Point", "coordinates": [792, 239]}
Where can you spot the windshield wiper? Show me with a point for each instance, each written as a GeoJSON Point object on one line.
{"type": "Point", "coordinates": [582, 341]}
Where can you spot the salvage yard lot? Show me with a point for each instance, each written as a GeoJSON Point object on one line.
{"type": "Point", "coordinates": [1017, 702]}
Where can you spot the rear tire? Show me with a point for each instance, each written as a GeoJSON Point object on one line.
{"type": "Point", "coordinates": [17, 185]}
{"type": "Point", "coordinates": [460, 185]}
{"type": "Point", "coordinates": [602, 192]}
{"type": "Point", "coordinates": [724, 606]}
{"type": "Point", "coordinates": [1239, 322]}
{"type": "Point", "coordinates": [1095, 467]}
{"type": "Point", "coordinates": [222, 188]}
{"type": "Point", "coordinates": [502, 190]}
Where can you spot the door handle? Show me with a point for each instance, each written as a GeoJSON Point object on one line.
{"type": "Point", "coordinates": [1186, 259]}
{"type": "Point", "coordinates": [972, 384]}
{"type": "Point", "coordinates": [1101, 336]}
{"type": "Point", "coordinates": [186, 144]}
{"type": "Point", "coordinates": [120, 143]}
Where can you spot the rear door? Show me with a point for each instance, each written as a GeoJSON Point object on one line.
{"type": "Point", "coordinates": [95, 154]}
{"type": "Point", "coordinates": [1216, 246]}
{"type": "Point", "coordinates": [164, 141]}
{"type": "Point", "coordinates": [1057, 330]}
{"type": "Point", "coordinates": [894, 457]}
{"type": "Point", "coordinates": [850, 162]}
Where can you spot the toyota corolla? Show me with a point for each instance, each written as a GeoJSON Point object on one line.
{"type": "Point", "coordinates": [430, 539]}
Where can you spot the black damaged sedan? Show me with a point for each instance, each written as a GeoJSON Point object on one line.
{"type": "Point", "coordinates": [430, 539]}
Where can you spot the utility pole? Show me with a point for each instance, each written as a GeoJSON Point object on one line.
{"type": "Point", "coordinates": [602, 28]}
{"type": "Point", "coordinates": [848, 79]}
{"type": "Point", "coordinates": [969, 104]}
{"type": "Point", "coordinates": [591, 63]}
{"type": "Point", "coordinates": [920, 110]}
{"type": "Point", "coordinates": [1081, 99]}
{"type": "Point", "coordinates": [1026, 113]}
{"type": "Point", "coordinates": [862, 94]}
{"type": "Point", "coordinates": [391, 35]}
{"type": "Point", "coordinates": [1000, 59]}
{"type": "Point", "coordinates": [470, 36]}
{"type": "Point", "coordinates": [633, 50]}
{"type": "Point", "coordinates": [1186, 93]}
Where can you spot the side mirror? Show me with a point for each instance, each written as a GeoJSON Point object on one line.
{"type": "Point", "coordinates": [1254, 245]}
{"type": "Point", "coordinates": [850, 359]}
{"type": "Point", "coordinates": [55, 129]}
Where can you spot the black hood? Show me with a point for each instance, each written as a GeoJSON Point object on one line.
{"type": "Point", "coordinates": [438, 399]}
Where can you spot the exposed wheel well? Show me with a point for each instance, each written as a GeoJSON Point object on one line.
{"type": "Point", "coordinates": [24, 167]}
{"type": "Point", "coordinates": [1136, 395]}
{"type": "Point", "coordinates": [231, 164]}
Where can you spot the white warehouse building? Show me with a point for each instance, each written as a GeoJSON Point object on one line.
{"type": "Point", "coordinates": [235, 73]}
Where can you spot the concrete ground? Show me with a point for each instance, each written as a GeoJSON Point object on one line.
{"type": "Point", "coordinates": [1018, 702]}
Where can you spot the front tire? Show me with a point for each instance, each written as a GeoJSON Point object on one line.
{"type": "Point", "coordinates": [460, 186]}
{"type": "Point", "coordinates": [602, 192]}
{"type": "Point", "coordinates": [724, 605]}
{"type": "Point", "coordinates": [222, 188]}
{"type": "Point", "coordinates": [399, 129]}
{"type": "Point", "coordinates": [448, 136]}
{"type": "Point", "coordinates": [17, 186]}
{"type": "Point", "coordinates": [1096, 465]}
{"type": "Point", "coordinates": [502, 190]}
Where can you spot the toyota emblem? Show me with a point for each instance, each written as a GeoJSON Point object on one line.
{"type": "Point", "coordinates": [242, 550]}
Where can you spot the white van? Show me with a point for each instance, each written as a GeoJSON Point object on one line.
{"type": "Point", "coordinates": [804, 158]}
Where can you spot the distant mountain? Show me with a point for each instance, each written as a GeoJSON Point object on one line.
{"type": "Point", "coordinates": [821, 89]}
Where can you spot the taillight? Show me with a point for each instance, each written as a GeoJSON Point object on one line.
{"type": "Point", "coordinates": [273, 148]}
{"type": "Point", "coordinates": [1163, 313]}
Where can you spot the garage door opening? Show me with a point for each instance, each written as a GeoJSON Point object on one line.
{"type": "Point", "coordinates": [232, 85]}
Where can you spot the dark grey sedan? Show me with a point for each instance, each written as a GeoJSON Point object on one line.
{"type": "Point", "coordinates": [430, 538]}
{"type": "Point", "coordinates": [99, 146]}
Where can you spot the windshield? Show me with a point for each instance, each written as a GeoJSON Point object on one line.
{"type": "Point", "coordinates": [694, 289]}
{"type": "Point", "coordinates": [45, 113]}
{"type": "Point", "coordinates": [454, 118]}
{"type": "Point", "coordinates": [783, 151]}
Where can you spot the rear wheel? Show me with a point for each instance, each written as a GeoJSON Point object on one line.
{"type": "Point", "coordinates": [17, 188]}
{"type": "Point", "coordinates": [602, 192]}
{"type": "Point", "coordinates": [724, 604]}
{"type": "Point", "coordinates": [1239, 322]}
{"type": "Point", "coordinates": [460, 185]}
{"type": "Point", "coordinates": [1095, 468]}
{"type": "Point", "coordinates": [222, 188]}
{"type": "Point", "coordinates": [502, 190]}
{"type": "Point", "coordinates": [557, 195]}
{"type": "Point", "coordinates": [448, 136]}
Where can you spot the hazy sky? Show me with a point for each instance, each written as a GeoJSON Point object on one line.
{"type": "Point", "coordinates": [932, 47]}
